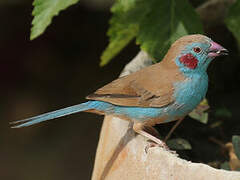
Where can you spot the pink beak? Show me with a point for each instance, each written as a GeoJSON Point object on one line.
{"type": "Point", "coordinates": [216, 50]}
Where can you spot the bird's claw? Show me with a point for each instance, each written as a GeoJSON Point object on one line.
{"type": "Point", "coordinates": [163, 145]}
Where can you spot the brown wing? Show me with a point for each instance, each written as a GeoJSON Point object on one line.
{"type": "Point", "coordinates": [149, 87]}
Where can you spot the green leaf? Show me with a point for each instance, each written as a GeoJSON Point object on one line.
{"type": "Point", "coordinates": [232, 20]}
{"type": "Point", "coordinates": [199, 113]}
{"type": "Point", "coordinates": [44, 11]}
{"type": "Point", "coordinates": [165, 23]}
{"type": "Point", "coordinates": [124, 24]}
{"type": "Point", "coordinates": [236, 145]}
{"type": "Point", "coordinates": [223, 113]}
{"type": "Point", "coordinates": [117, 42]}
{"type": "Point", "coordinates": [203, 117]}
{"type": "Point", "coordinates": [179, 144]}
{"type": "Point", "coordinates": [156, 24]}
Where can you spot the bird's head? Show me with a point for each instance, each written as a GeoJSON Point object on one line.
{"type": "Point", "coordinates": [193, 53]}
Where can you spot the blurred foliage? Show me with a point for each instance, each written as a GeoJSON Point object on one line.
{"type": "Point", "coordinates": [200, 113]}
{"type": "Point", "coordinates": [233, 20]}
{"type": "Point", "coordinates": [223, 113]}
{"type": "Point", "coordinates": [225, 166]}
{"type": "Point", "coordinates": [140, 19]}
{"type": "Point", "coordinates": [236, 145]}
{"type": "Point", "coordinates": [233, 149]}
{"type": "Point", "coordinates": [132, 18]}
{"type": "Point", "coordinates": [179, 144]}
{"type": "Point", "coordinates": [44, 11]}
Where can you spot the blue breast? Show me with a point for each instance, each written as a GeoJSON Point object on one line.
{"type": "Point", "coordinates": [190, 93]}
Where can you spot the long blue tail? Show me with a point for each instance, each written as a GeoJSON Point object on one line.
{"type": "Point", "coordinates": [52, 115]}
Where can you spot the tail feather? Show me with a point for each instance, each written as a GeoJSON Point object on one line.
{"type": "Point", "coordinates": [50, 115]}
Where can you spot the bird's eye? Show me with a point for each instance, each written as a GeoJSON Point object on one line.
{"type": "Point", "coordinates": [197, 49]}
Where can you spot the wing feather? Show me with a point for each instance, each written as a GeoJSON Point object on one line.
{"type": "Point", "coordinates": [150, 87]}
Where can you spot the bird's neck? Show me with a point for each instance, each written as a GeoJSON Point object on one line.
{"type": "Point", "coordinates": [198, 74]}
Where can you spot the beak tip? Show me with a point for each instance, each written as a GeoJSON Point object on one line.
{"type": "Point", "coordinates": [224, 52]}
{"type": "Point", "coordinates": [217, 49]}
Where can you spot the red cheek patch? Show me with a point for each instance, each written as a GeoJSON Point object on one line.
{"type": "Point", "coordinates": [189, 60]}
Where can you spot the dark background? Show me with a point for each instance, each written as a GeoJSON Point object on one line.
{"type": "Point", "coordinates": [58, 70]}
{"type": "Point", "coordinates": [54, 71]}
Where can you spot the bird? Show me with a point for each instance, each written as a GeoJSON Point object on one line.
{"type": "Point", "coordinates": [163, 92]}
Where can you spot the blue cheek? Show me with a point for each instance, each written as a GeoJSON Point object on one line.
{"type": "Point", "coordinates": [202, 57]}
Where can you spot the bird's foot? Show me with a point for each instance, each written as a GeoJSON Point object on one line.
{"type": "Point", "coordinates": [162, 145]}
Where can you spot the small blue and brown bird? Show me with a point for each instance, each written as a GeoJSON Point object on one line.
{"type": "Point", "coordinates": [160, 93]}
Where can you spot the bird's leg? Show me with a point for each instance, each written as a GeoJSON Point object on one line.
{"type": "Point", "coordinates": [151, 130]}
{"type": "Point", "coordinates": [173, 128]}
{"type": "Point", "coordinates": [139, 128]}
